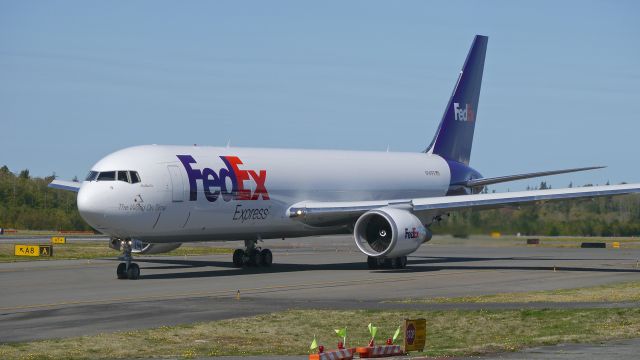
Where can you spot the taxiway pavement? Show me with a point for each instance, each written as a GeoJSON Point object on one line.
{"type": "Point", "coordinates": [49, 299]}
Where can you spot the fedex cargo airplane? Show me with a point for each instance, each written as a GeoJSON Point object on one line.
{"type": "Point", "coordinates": [150, 199]}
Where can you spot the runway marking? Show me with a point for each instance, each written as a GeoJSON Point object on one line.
{"type": "Point", "coordinates": [232, 292]}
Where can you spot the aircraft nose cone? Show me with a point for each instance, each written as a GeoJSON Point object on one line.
{"type": "Point", "coordinates": [88, 207]}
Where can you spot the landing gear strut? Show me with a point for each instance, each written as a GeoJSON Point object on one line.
{"type": "Point", "coordinates": [127, 269]}
{"type": "Point", "coordinates": [388, 263]}
{"type": "Point", "coordinates": [252, 255]}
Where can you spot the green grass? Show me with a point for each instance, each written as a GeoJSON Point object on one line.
{"type": "Point", "coordinates": [23, 232]}
{"type": "Point", "coordinates": [449, 333]}
{"type": "Point", "coordinates": [621, 292]}
{"type": "Point", "coordinates": [100, 249]}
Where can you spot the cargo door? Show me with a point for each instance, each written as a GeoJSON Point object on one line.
{"type": "Point", "coordinates": [177, 183]}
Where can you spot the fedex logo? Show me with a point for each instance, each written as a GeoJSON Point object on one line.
{"type": "Point", "coordinates": [463, 113]}
{"type": "Point", "coordinates": [413, 234]}
{"type": "Point", "coordinates": [216, 184]}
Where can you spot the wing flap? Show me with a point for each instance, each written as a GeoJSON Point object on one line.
{"type": "Point", "coordinates": [324, 213]}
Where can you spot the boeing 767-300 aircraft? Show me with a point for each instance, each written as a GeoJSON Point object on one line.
{"type": "Point", "coordinates": [150, 199]}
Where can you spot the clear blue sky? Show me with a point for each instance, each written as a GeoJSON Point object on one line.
{"type": "Point", "coordinates": [79, 80]}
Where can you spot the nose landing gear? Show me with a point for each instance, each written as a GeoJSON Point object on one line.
{"type": "Point", "coordinates": [252, 255]}
{"type": "Point", "coordinates": [127, 269]}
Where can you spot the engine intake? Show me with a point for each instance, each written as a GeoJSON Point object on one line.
{"type": "Point", "coordinates": [389, 232]}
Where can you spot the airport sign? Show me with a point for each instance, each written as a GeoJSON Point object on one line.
{"type": "Point", "coordinates": [415, 334]}
{"type": "Point", "coordinates": [58, 240]}
{"type": "Point", "coordinates": [33, 250]}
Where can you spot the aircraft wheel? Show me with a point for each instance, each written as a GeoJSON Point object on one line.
{"type": "Point", "coordinates": [372, 262]}
{"type": "Point", "coordinates": [266, 257]}
{"type": "Point", "coordinates": [238, 258]}
{"type": "Point", "coordinates": [121, 272]}
{"type": "Point", "coordinates": [399, 263]}
{"type": "Point", "coordinates": [133, 273]}
{"type": "Point", "coordinates": [403, 262]}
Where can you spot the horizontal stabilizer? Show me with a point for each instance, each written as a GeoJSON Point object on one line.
{"type": "Point", "coordinates": [65, 185]}
{"type": "Point", "coordinates": [501, 179]}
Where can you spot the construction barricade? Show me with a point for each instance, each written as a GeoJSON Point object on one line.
{"type": "Point", "coordinates": [339, 354]}
{"type": "Point", "coordinates": [379, 351]}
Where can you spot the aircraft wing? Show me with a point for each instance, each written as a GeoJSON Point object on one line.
{"type": "Point", "coordinates": [501, 179]}
{"type": "Point", "coordinates": [332, 213]}
{"type": "Point", "coordinates": [65, 185]}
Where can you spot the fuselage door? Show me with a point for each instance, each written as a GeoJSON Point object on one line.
{"type": "Point", "coordinates": [177, 183]}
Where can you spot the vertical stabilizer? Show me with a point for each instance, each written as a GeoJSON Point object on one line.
{"type": "Point", "coordinates": [454, 137]}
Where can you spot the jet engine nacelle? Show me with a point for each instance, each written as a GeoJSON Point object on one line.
{"type": "Point", "coordinates": [389, 232]}
{"type": "Point", "coordinates": [139, 247]}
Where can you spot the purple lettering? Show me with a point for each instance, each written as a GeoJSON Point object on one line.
{"type": "Point", "coordinates": [210, 179]}
{"type": "Point", "coordinates": [228, 182]}
{"type": "Point", "coordinates": [193, 174]}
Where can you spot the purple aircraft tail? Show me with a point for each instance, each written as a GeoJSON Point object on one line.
{"type": "Point", "coordinates": [454, 137]}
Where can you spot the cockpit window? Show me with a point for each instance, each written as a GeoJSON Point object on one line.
{"type": "Point", "coordinates": [123, 176]}
{"type": "Point", "coordinates": [107, 176]}
{"type": "Point", "coordinates": [127, 176]}
{"type": "Point", "coordinates": [91, 176]}
{"type": "Point", "coordinates": [135, 178]}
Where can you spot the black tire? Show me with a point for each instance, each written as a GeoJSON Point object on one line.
{"type": "Point", "coordinates": [399, 263]}
{"type": "Point", "coordinates": [121, 271]}
{"type": "Point", "coordinates": [238, 258]}
{"type": "Point", "coordinates": [133, 273]}
{"type": "Point", "coordinates": [372, 262]}
{"type": "Point", "coordinates": [266, 257]}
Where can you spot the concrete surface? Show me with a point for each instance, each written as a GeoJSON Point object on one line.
{"type": "Point", "coordinates": [49, 299]}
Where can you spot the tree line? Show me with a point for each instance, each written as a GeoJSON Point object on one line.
{"type": "Point", "coordinates": [606, 216]}
{"type": "Point", "coordinates": [27, 203]}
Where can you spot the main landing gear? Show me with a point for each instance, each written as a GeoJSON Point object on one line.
{"type": "Point", "coordinates": [127, 269]}
{"type": "Point", "coordinates": [399, 262]}
{"type": "Point", "coordinates": [252, 255]}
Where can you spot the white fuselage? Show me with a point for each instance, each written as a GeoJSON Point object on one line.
{"type": "Point", "coordinates": [185, 200]}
